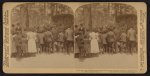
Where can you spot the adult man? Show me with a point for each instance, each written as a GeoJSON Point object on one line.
{"type": "Point", "coordinates": [131, 35]}
{"type": "Point", "coordinates": [111, 40]}
{"type": "Point", "coordinates": [76, 35]}
{"type": "Point", "coordinates": [48, 40]}
{"type": "Point", "coordinates": [80, 43]}
{"type": "Point", "coordinates": [40, 37]}
{"type": "Point", "coordinates": [104, 41]}
{"type": "Point", "coordinates": [69, 39]}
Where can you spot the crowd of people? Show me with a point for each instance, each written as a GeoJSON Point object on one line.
{"type": "Point", "coordinates": [92, 42]}
{"type": "Point", "coordinates": [42, 40]}
{"type": "Point", "coordinates": [77, 40]}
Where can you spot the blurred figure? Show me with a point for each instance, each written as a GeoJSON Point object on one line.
{"type": "Point", "coordinates": [76, 34]}
{"type": "Point", "coordinates": [38, 40]}
{"type": "Point", "coordinates": [18, 28]}
{"type": "Point", "coordinates": [131, 35]}
{"type": "Point", "coordinates": [48, 38]}
{"type": "Point", "coordinates": [24, 42]}
{"type": "Point", "coordinates": [31, 36]}
{"type": "Point", "coordinates": [61, 39]}
{"type": "Point", "coordinates": [54, 42]}
{"type": "Point", "coordinates": [104, 41]}
{"type": "Point", "coordinates": [86, 42]}
{"type": "Point", "coordinates": [18, 42]}
{"type": "Point", "coordinates": [82, 29]}
{"type": "Point", "coordinates": [94, 42]}
{"type": "Point", "coordinates": [100, 41]}
{"type": "Point", "coordinates": [123, 41]}
{"type": "Point", "coordinates": [41, 40]}
{"type": "Point", "coordinates": [80, 44]}
{"type": "Point", "coordinates": [111, 41]}
{"type": "Point", "coordinates": [69, 39]}
{"type": "Point", "coordinates": [13, 43]}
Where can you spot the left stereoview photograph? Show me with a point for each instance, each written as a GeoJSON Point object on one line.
{"type": "Point", "coordinates": [74, 37]}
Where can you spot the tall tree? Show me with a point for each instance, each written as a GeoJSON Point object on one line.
{"type": "Point", "coordinates": [27, 17]}
{"type": "Point", "coordinates": [90, 20]}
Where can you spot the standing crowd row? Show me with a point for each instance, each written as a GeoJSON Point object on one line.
{"type": "Point", "coordinates": [42, 40]}
{"type": "Point", "coordinates": [104, 40]}
{"type": "Point", "coordinates": [79, 40]}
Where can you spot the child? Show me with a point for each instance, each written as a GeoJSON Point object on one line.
{"type": "Point", "coordinates": [54, 41]}
{"type": "Point", "coordinates": [123, 39]}
{"type": "Point", "coordinates": [41, 40]}
{"type": "Point", "coordinates": [61, 39]}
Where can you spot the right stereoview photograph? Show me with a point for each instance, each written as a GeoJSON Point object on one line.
{"type": "Point", "coordinates": [106, 35]}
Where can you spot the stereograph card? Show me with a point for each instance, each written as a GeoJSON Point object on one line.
{"type": "Point", "coordinates": [74, 37]}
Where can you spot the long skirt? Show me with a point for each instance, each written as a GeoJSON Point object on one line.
{"type": "Point", "coordinates": [94, 46]}
{"type": "Point", "coordinates": [32, 46]}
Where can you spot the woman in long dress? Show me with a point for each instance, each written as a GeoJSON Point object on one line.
{"type": "Point", "coordinates": [94, 43]}
{"type": "Point", "coordinates": [31, 36]}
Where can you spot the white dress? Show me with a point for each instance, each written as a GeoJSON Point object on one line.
{"type": "Point", "coordinates": [31, 42]}
{"type": "Point", "coordinates": [94, 42]}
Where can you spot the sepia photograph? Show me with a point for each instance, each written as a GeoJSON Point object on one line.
{"type": "Point", "coordinates": [73, 37]}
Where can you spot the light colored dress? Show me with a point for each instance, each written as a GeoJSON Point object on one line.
{"type": "Point", "coordinates": [31, 42]}
{"type": "Point", "coordinates": [69, 34]}
{"type": "Point", "coordinates": [131, 35]}
{"type": "Point", "coordinates": [94, 42]}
